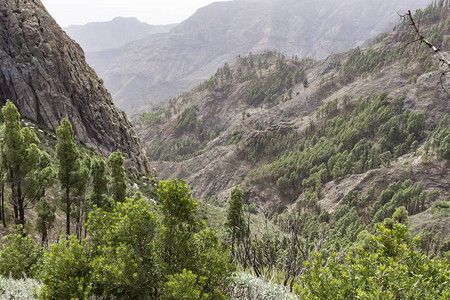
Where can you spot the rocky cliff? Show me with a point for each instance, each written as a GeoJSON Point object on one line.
{"type": "Point", "coordinates": [45, 74]}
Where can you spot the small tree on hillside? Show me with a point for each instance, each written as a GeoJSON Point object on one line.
{"type": "Point", "coordinates": [80, 194]}
{"type": "Point", "coordinates": [19, 156]}
{"type": "Point", "coordinates": [235, 222]}
{"type": "Point", "coordinates": [99, 192]}
{"type": "Point", "coordinates": [45, 219]}
{"type": "Point", "coordinates": [118, 177]}
{"type": "Point", "coordinates": [68, 155]}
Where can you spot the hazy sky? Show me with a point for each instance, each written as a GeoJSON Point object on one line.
{"type": "Point", "coordinates": [70, 12]}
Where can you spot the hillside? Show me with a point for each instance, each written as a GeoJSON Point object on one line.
{"type": "Point", "coordinates": [162, 66]}
{"type": "Point", "coordinates": [335, 174]}
{"type": "Point", "coordinates": [100, 36]}
{"type": "Point", "coordinates": [289, 130]}
{"type": "Point", "coordinates": [44, 73]}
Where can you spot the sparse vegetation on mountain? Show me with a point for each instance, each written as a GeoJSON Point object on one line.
{"type": "Point", "coordinates": [334, 189]}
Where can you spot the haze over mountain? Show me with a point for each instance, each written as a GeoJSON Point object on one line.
{"type": "Point", "coordinates": [271, 124]}
{"type": "Point", "coordinates": [44, 73]}
{"type": "Point", "coordinates": [161, 66]}
{"type": "Point", "coordinates": [98, 36]}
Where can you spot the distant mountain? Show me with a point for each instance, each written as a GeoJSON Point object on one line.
{"type": "Point", "coordinates": [44, 73]}
{"type": "Point", "coordinates": [99, 36]}
{"type": "Point", "coordinates": [280, 128]}
{"type": "Point", "coordinates": [162, 65]}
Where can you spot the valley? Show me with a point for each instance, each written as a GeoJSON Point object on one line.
{"type": "Point", "coordinates": [319, 170]}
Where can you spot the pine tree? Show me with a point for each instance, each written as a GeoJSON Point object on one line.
{"type": "Point", "coordinates": [45, 219]}
{"type": "Point", "coordinates": [118, 177]}
{"type": "Point", "coordinates": [67, 154]}
{"type": "Point", "coordinates": [99, 184]}
{"type": "Point", "coordinates": [20, 156]}
{"type": "Point", "coordinates": [235, 217]}
{"type": "Point", "coordinates": [80, 194]}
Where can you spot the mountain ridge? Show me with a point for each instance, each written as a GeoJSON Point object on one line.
{"type": "Point", "coordinates": [101, 36]}
{"type": "Point", "coordinates": [162, 66]}
{"type": "Point", "coordinates": [207, 135]}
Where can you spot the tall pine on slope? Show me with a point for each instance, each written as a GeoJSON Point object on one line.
{"type": "Point", "coordinates": [99, 192]}
{"type": "Point", "coordinates": [67, 154]}
{"type": "Point", "coordinates": [118, 177]}
{"type": "Point", "coordinates": [235, 217]}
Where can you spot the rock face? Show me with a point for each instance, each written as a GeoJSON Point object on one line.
{"type": "Point", "coordinates": [162, 66]}
{"type": "Point", "coordinates": [45, 74]}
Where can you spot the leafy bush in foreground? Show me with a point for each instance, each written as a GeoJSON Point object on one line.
{"type": "Point", "coordinates": [386, 265]}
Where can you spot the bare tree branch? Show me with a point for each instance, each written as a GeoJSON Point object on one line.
{"type": "Point", "coordinates": [445, 62]}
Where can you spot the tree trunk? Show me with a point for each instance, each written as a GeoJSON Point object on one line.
{"type": "Point", "coordinates": [80, 221]}
{"type": "Point", "coordinates": [14, 194]}
{"type": "Point", "coordinates": [44, 242]}
{"type": "Point", "coordinates": [232, 242]}
{"type": "Point", "coordinates": [3, 204]}
{"type": "Point", "coordinates": [20, 202]}
{"type": "Point", "coordinates": [67, 213]}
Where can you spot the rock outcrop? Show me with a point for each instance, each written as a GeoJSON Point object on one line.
{"type": "Point", "coordinates": [45, 74]}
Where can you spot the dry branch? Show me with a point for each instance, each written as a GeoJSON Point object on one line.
{"type": "Point", "coordinates": [445, 62]}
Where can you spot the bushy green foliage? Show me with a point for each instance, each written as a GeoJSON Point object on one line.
{"type": "Point", "coordinates": [100, 182]}
{"type": "Point", "coordinates": [198, 132]}
{"type": "Point", "coordinates": [361, 62]}
{"type": "Point", "coordinates": [413, 197]}
{"type": "Point", "coordinates": [136, 251]}
{"type": "Point", "coordinates": [183, 286]}
{"type": "Point", "coordinates": [124, 262]}
{"type": "Point", "coordinates": [69, 165]}
{"type": "Point", "coordinates": [386, 266]}
{"type": "Point", "coordinates": [185, 243]}
{"type": "Point", "coordinates": [45, 218]}
{"type": "Point", "coordinates": [278, 83]}
{"type": "Point", "coordinates": [66, 270]}
{"type": "Point", "coordinates": [179, 150]}
{"type": "Point", "coordinates": [19, 256]}
{"type": "Point", "coordinates": [20, 160]}
{"type": "Point", "coordinates": [153, 118]}
{"type": "Point", "coordinates": [235, 223]}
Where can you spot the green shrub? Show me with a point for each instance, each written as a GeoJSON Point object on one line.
{"type": "Point", "coordinates": [184, 285]}
{"type": "Point", "coordinates": [20, 256]}
{"type": "Point", "coordinates": [66, 270]}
